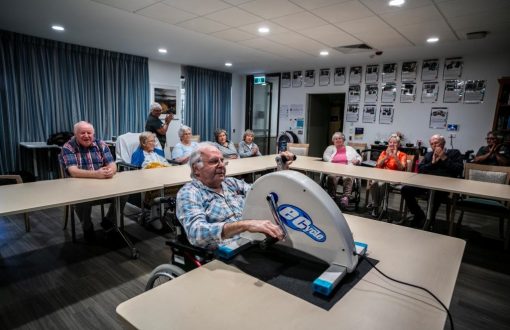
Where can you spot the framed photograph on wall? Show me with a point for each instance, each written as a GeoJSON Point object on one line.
{"type": "Point", "coordinates": [474, 91]}
{"type": "Point", "coordinates": [354, 94]}
{"type": "Point", "coordinates": [389, 92]}
{"type": "Point", "coordinates": [430, 69]}
{"type": "Point", "coordinates": [429, 92]}
{"type": "Point", "coordinates": [389, 72]}
{"type": "Point", "coordinates": [371, 93]}
{"type": "Point", "coordinates": [386, 114]}
{"type": "Point", "coordinates": [453, 91]}
{"type": "Point", "coordinates": [409, 71]}
{"type": "Point", "coordinates": [355, 75]}
{"type": "Point", "coordinates": [407, 92]}
{"type": "Point", "coordinates": [352, 114]}
{"type": "Point", "coordinates": [438, 117]}
{"type": "Point", "coordinates": [297, 78]}
{"type": "Point", "coordinates": [453, 68]}
{"type": "Point", "coordinates": [309, 78]}
{"type": "Point", "coordinates": [369, 111]}
{"type": "Point", "coordinates": [339, 78]}
{"type": "Point", "coordinates": [372, 74]}
{"type": "Point", "coordinates": [286, 80]}
{"type": "Point", "coordinates": [324, 77]}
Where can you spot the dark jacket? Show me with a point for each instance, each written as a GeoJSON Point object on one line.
{"type": "Point", "coordinates": [452, 166]}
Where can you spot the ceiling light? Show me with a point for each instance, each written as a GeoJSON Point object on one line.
{"type": "Point", "coordinates": [162, 50]}
{"type": "Point", "coordinates": [432, 40]}
{"type": "Point", "coordinates": [228, 64]}
{"type": "Point", "coordinates": [396, 3]}
{"type": "Point", "coordinates": [324, 53]}
{"type": "Point", "coordinates": [263, 29]}
{"type": "Point", "coordinates": [57, 27]}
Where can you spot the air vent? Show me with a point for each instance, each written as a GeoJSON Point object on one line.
{"type": "Point", "coordinates": [477, 35]}
{"type": "Point", "coordinates": [354, 49]}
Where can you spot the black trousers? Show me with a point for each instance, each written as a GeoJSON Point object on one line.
{"type": "Point", "coordinates": [410, 194]}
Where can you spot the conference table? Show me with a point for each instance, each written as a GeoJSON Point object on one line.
{"type": "Point", "coordinates": [220, 296]}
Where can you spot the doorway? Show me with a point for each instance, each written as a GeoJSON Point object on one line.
{"type": "Point", "coordinates": [325, 116]}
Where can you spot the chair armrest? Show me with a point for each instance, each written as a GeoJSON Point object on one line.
{"type": "Point", "coordinates": [173, 162]}
{"type": "Point", "coordinates": [122, 166]}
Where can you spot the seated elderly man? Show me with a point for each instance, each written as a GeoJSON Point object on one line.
{"type": "Point", "coordinates": [85, 157]}
{"type": "Point", "coordinates": [147, 155]}
{"type": "Point", "coordinates": [211, 205]}
{"type": "Point", "coordinates": [440, 161]}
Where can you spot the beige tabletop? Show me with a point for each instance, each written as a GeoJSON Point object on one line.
{"type": "Point", "coordinates": [39, 195]}
{"type": "Point", "coordinates": [316, 165]}
{"type": "Point", "coordinates": [218, 296]}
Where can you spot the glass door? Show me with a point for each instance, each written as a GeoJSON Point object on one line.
{"type": "Point", "coordinates": [261, 116]}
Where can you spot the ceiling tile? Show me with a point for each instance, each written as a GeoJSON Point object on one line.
{"type": "Point", "coordinates": [253, 28]}
{"type": "Point", "coordinates": [412, 16]}
{"type": "Point", "coordinates": [236, 2]}
{"type": "Point", "coordinates": [383, 38]}
{"type": "Point", "coordinates": [372, 24]}
{"type": "Point", "coordinates": [198, 7]}
{"type": "Point", "coordinates": [418, 33]}
{"type": "Point", "coordinates": [381, 6]}
{"type": "Point", "coordinates": [165, 13]}
{"type": "Point", "coordinates": [330, 35]}
{"type": "Point", "coordinates": [271, 8]}
{"type": "Point", "coordinates": [313, 4]}
{"type": "Point", "coordinates": [494, 23]}
{"type": "Point", "coordinates": [300, 21]}
{"type": "Point", "coordinates": [298, 41]}
{"type": "Point", "coordinates": [129, 5]}
{"type": "Point", "coordinates": [234, 35]}
{"type": "Point", "coordinates": [468, 7]}
{"type": "Point", "coordinates": [203, 25]}
{"type": "Point", "coordinates": [343, 12]}
{"type": "Point", "coordinates": [269, 46]}
{"type": "Point", "coordinates": [234, 17]}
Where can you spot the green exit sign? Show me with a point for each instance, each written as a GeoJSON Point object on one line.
{"type": "Point", "coordinates": [259, 80]}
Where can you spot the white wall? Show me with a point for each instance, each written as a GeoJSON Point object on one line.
{"type": "Point", "coordinates": [238, 107]}
{"type": "Point", "coordinates": [412, 119]}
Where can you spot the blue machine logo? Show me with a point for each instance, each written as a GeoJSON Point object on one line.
{"type": "Point", "coordinates": [297, 219]}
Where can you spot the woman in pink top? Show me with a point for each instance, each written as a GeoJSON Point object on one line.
{"type": "Point", "coordinates": [341, 154]}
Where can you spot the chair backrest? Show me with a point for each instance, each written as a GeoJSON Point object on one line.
{"type": "Point", "coordinates": [300, 149]}
{"type": "Point", "coordinates": [358, 146]}
{"type": "Point", "coordinates": [126, 144]}
{"type": "Point", "coordinates": [195, 138]}
{"type": "Point", "coordinates": [410, 163]}
{"type": "Point", "coordinates": [487, 173]}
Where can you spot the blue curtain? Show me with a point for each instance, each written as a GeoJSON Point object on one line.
{"type": "Point", "coordinates": [46, 86]}
{"type": "Point", "coordinates": [208, 101]}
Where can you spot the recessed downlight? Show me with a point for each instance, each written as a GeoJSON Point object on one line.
{"type": "Point", "coordinates": [432, 40]}
{"type": "Point", "coordinates": [228, 64]}
{"type": "Point", "coordinates": [162, 50]}
{"type": "Point", "coordinates": [264, 29]}
{"type": "Point", "coordinates": [324, 53]}
{"type": "Point", "coordinates": [396, 3]}
{"type": "Point", "coordinates": [59, 28]}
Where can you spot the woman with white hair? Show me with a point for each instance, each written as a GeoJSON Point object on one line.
{"type": "Point", "coordinates": [248, 148]}
{"type": "Point", "coordinates": [226, 147]}
{"type": "Point", "coordinates": [182, 150]}
{"type": "Point", "coordinates": [339, 153]}
{"type": "Point", "coordinates": [390, 159]}
{"type": "Point", "coordinates": [147, 155]}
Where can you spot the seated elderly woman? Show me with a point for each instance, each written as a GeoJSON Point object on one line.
{"type": "Point", "coordinates": [183, 149]}
{"type": "Point", "coordinates": [147, 155]}
{"type": "Point", "coordinates": [226, 147]}
{"type": "Point", "coordinates": [391, 159]}
{"type": "Point", "coordinates": [248, 148]}
{"type": "Point", "coordinates": [341, 154]}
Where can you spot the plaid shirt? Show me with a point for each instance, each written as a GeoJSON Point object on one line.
{"type": "Point", "coordinates": [203, 212]}
{"type": "Point", "coordinates": [86, 158]}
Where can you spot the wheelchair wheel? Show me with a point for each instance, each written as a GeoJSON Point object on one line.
{"type": "Point", "coordinates": [162, 274]}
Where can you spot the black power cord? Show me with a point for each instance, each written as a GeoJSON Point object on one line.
{"type": "Point", "coordinates": [414, 286]}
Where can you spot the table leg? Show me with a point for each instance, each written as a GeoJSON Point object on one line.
{"type": "Point", "coordinates": [429, 209]}
{"type": "Point", "coordinates": [34, 162]}
{"type": "Point", "coordinates": [120, 228]}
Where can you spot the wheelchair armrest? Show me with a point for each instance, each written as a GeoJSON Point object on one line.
{"type": "Point", "coordinates": [173, 162]}
{"type": "Point", "coordinates": [176, 243]}
{"type": "Point", "coordinates": [123, 166]}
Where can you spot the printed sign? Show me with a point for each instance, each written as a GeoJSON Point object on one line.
{"type": "Point", "coordinates": [297, 219]}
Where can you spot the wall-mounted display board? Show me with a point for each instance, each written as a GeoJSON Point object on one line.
{"type": "Point", "coordinates": [389, 92]}
{"type": "Point", "coordinates": [355, 75]}
{"type": "Point", "coordinates": [409, 71]}
{"type": "Point", "coordinates": [438, 117]}
{"type": "Point", "coordinates": [474, 91]}
{"type": "Point", "coordinates": [297, 78]}
{"type": "Point", "coordinates": [339, 78]}
{"type": "Point", "coordinates": [453, 68]}
{"type": "Point", "coordinates": [369, 111]}
{"type": "Point", "coordinates": [286, 81]}
{"type": "Point", "coordinates": [352, 114]}
{"type": "Point", "coordinates": [429, 92]}
{"type": "Point", "coordinates": [372, 74]}
{"type": "Point", "coordinates": [324, 77]}
{"type": "Point", "coordinates": [371, 92]}
{"type": "Point", "coordinates": [386, 114]}
{"type": "Point", "coordinates": [354, 94]}
{"type": "Point", "coordinates": [430, 69]}
{"type": "Point", "coordinates": [389, 72]}
{"type": "Point", "coordinates": [309, 78]}
{"type": "Point", "coordinates": [453, 91]}
{"type": "Point", "coordinates": [407, 92]}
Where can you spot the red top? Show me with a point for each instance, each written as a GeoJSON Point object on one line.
{"type": "Point", "coordinates": [391, 163]}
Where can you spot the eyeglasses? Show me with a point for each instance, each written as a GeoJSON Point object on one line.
{"type": "Point", "coordinates": [490, 138]}
{"type": "Point", "coordinates": [217, 161]}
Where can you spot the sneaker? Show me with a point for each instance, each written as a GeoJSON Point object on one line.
{"type": "Point", "coordinates": [344, 202]}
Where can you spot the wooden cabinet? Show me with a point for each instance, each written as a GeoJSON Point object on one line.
{"type": "Point", "coordinates": [502, 116]}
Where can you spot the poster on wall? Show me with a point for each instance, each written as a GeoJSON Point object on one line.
{"type": "Point", "coordinates": [355, 75]}
{"type": "Point", "coordinates": [407, 92]}
{"type": "Point", "coordinates": [453, 91]}
{"type": "Point", "coordinates": [284, 113]}
{"type": "Point", "coordinates": [358, 133]}
{"type": "Point", "coordinates": [297, 78]}
{"type": "Point", "coordinates": [372, 73]}
{"type": "Point", "coordinates": [429, 92]}
{"type": "Point", "coordinates": [352, 115]}
{"type": "Point", "coordinates": [430, 69]}
{"type": "Point", "coordinates": [389, 72]}
{"type": "Point", "coordinates": [453, 68]}
{"type": "Point", "coordinates": [286, 81]}
{"type": "Point", "coordinates": [339, 78]}
{"type": "Point", "coordinates": [309, 78]}
{"type": "Point", "coordinates": [369, 113]}
{"type": "Point", "coordinates": [371, 91]}
{"type": "Point", "coordinates": [386, 114]}
{"type": "Point", "coordinates": [389, 92]}
{"type": "Point", "coordinates": [354, 94]}
{"type": "Point", "coordinates": [324, 77]}
{"type": "Point", "coordinates": [475, 91]}
{"type": "Point", "coordinates": [409, 71]}
{"type": "Point", "coordinates": [438, 117]}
